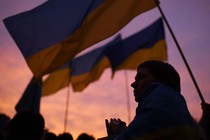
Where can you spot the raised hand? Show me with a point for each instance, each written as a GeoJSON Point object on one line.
{"type": "Point", "coordinates": [115, 126]}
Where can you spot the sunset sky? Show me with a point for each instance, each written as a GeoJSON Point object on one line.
{"type": "Point", "coordinates": [106, 98]}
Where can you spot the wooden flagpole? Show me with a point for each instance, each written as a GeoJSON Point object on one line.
{"type": "Point", "coordinates": [180, 51]}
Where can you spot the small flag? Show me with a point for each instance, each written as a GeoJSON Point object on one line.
{"type": "Point", "coordinates": [30, 99]}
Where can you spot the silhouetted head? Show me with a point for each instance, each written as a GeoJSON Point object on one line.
{"type": "Point", "coordinates": [50, 136]}
{"type": "Point", "coordinates": [84, 136]}
{"type": "Point", "coordinates": [65, 136]}
{"type": "Point", "coordinates": [164, 73]}
{"type": "Point", "coordinates": [153, 71]}
{"type": "Point", "coordinates": [4, 122]}
{"type": "Point", "coordinates": [26, 125]}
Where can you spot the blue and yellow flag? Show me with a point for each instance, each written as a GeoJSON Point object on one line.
{"type": "Point", "coordinates": [53, 33]}
{"type": "Point", "coordinates": [80, 72]}
{"type": "Point", "coordinates": [89, 67]}
{"type": "Point", "coordinates": [145, 45]}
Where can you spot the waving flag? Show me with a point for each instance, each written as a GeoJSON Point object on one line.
{"type": "Point", "coordinates": [144, 45]}
{"type": "Point", "coordinates": [52, 34]}
{"type": "Point", "coordinates": [88, 68]}
{"type": "Point", "coordinates": [80, 72]}
{"type": "Point", "coordinates": [30, 99]}
{"type": "Point", "coordinates": [56, 81]}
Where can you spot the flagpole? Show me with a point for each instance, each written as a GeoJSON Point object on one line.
{"type": "Point", "coordinates": [67, 107]}
{"type": "Point", "coordinates": [127, 96]}
{"type": "Point", "coordinates": [157, 2]}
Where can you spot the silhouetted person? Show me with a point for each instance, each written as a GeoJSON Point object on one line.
{"type": "Point", "coordinates": [65, 136]}
{"type": "Point", "coordinates": [50, 136]}
{"type": "Point", "coordinates": [4, 122]}
{"type": "Point", "coordinates": [162, 112]}
{"type": "Point", "coordinates": [26, 125]}
{"type": "Point", "coordinates": [205, 119]}
{"type": "Point", "coordinates": [85, 136]}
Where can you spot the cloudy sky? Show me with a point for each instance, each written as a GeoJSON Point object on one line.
{"type": "Point", "coordinates": [106, 98]}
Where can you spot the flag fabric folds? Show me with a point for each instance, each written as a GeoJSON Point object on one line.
{"type": "Point", "coordinates": [145, 45]}
{"type": "Point", "coordinates": [89, 67]}
{"type": "Point", "coordinates": [56, 81]}
{"type": "Point", "coordinates": [30, 99]}
{"type": "Point", "coordinates": [80, 72]}
{"type": "Point", "coordinates": [49, 36]}
{"type": "Point", "coordinates": [46, 25]}
{"type": "Point", "coordinates": [119, 54]}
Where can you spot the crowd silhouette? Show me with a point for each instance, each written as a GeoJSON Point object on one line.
{"type": "Point", "coordinates": [28, 125]}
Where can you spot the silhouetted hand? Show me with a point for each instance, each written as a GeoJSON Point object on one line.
{"type": "Point", "coordinates": [115, 126]}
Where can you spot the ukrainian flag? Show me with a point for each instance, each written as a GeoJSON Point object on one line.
{"type": "Point", "coordinates": [80, 72]}
{"type": "Point", "coordinates": [53, 33]}
{"type": "Point", "coordinates": [148, 44]}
